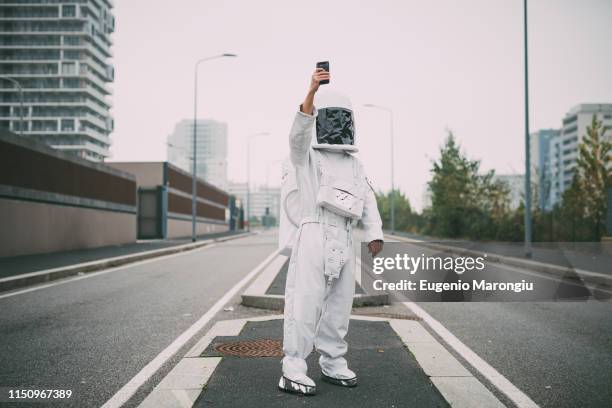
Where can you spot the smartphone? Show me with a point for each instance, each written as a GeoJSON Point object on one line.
{"type": "Point", "coordinates": [325, 66]}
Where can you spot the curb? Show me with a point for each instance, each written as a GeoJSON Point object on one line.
{"type": "Point", "coordinates": [277, 302]}
{"type": "Point", "coordinates": [255, 295]}
{"type": "Point", "coordinates": [550, 269]}
{"type": "Point", "coordinates": [31, 278]}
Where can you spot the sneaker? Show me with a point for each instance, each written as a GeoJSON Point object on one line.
{"type": "Point", "coordinates": [294, 387]}
{"type": "Point", "coordinates": [343, 382]}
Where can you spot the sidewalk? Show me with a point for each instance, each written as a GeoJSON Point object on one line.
{"type": "Point", "coordinates": [15, 265]}
{"type": "Point", "coordinates": [588, 256]}
{"type": "Point", "coordinates": [388, 374]}
{"type": "Point", "coordinates": [237, 363]}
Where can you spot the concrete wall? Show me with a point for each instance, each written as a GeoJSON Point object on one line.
{"type": "Point", "coordinates": [178, 228]}
{"type": "Point", "coordinates": [212, 203]}
{"type": "Point", "coordinates": [31, 227]}
{"type": "Point", "coordinates": [52, 201]}
{"type": "Point", "coordinates": [148, 174]}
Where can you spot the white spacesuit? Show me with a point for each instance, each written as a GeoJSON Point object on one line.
{"type": "Point", "coordinates": [324, 193]}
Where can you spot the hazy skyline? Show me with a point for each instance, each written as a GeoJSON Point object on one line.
{"type": "Point", "coordinates": [439, 64]}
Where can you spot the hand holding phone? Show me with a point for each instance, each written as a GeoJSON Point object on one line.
{"type": "Point", "coordinates": [324, 65]}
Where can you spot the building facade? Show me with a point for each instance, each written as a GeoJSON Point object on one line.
{"type": "Point", "coordinates": [540, 145]}
{"type": "Point", "coordinates": [165, 202]}
{"type": "Point", "coordinates": [564, 149]}
{"type": "Point", "coordinates": [265, 200]}
{"type": "Point", "coordinates": [58, 52]}
{"type": "Point", "coordinates": [211, 150]}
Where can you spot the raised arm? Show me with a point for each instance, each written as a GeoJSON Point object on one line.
{"type": "Point", "coordinates": [301, 131]}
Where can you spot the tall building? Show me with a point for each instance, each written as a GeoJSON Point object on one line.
{"type": "Point", "coordinates": [211, 147]}
{"type": "Point", "coordinates": [554, 153]}
{"type": "Point", "coordinates": [563, 150]}
{"type": "Point", "coordinates": [540, 143]}
{"type": "Point", "coordinates": [58, 52]}
{"type": "Point", "coordinates": [265, 200]}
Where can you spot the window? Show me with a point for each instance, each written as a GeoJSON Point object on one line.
{"type": "Point", "coordinates": [71, 40]}
{"type": "Point", "coordinates": [72, 54]}
{"type": "Point", "coordinates": [72, 83]}
{"type": "Point", "coordinates": [68, 11]}
{"type": "Point", "coordinates": [69, 68]}
{"type": "Point", "coordinates": [67, 125]}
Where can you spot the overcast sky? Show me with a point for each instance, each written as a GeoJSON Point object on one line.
{"type": "Point", "coordinates": [438, 64]}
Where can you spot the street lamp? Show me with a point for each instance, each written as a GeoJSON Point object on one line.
{"type": "Point", "coordinates": [195, 125]}
{"type": "Point", "coordinates": [392, 198]}
{"type": "Point", "coordinates": [527, 158]}
{"type": "Point", "coordinates": [18, 85]}
{"type": "Point", "coordinates": [249, 176]}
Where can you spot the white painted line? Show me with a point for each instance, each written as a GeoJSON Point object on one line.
{"type": "Point", "coordinates": [436, 361]}
{"type": "Point", "coordinates": [456, 384]}
{"type": "Point", "coordinates": [75, 278]}
{"type": "Point", "coordinates": [466, 392]}
{"type": "Point", "coordinates": [193, 372]}
{"type": "Point", "coordinates": [515, 395]}
{"type": "Point", "coordinates": [129, 389]}
{"type": "Point", "coordinates": [190, 374]}
{"type": "Point", "coordinates": [493, 376]}
{"type": "Point", "coordinates": [227, 327]}
{"type": "Point", "coordinates": [411, 331]}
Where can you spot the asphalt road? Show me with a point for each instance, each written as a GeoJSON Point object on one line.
{"type": "Point", "coordinates": [558, 353]}
{"type": "Point", "coordinates": [93, 335]}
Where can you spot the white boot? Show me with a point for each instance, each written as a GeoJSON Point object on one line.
{"type": "Point", "coordinates": [301, 384]}
{"type": "Point", "coordinates": [336, 372]}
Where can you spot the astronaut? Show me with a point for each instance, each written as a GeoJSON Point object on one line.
{"type": "Point", "coordinates": [325, 192]}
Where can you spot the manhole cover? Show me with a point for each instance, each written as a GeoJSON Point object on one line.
{"type": "Point", "coordinates": [252, 348]}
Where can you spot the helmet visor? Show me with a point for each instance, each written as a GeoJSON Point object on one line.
{"type": "Point", "coordinates": [335, 126]}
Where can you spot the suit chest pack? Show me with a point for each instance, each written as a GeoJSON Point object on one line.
{"type": "Point", "coordinates": [341, 196]}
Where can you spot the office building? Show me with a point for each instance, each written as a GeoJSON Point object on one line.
{"type": "Point", "coordinates": [58, 53]}
{"type": "Point", "coordinates": [540, 144]}
{"type": "Point", "coordinates": [563, 150]}
{"type": "Point", "coordinates": [211, 148]}
{"type": "Point", "coordinates": [265, 200]}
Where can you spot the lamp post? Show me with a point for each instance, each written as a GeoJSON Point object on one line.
{"type": "Point", "coordinates": [527, 153]}
{"type": "Point", "coordinates": [18, 85]}
{"type": "Point", "coordinates": [195, 143]}
{"type": "Point", "coordinates": [251, 136]}
{"type": "Point", "coordinates": [392, 198]}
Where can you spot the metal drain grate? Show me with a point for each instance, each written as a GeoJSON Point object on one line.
{"type": "Point", "coordinates": [252, 348]}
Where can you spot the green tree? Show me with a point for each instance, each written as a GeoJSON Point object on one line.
{"type": "Point", "coordinates": [465, 203]}
{"type": "Point", "coordinates": [405, 218]}
{"type": "Point", "coordinates": [585, 200]}
{"type": "Point", "coordinates": [451, 188]}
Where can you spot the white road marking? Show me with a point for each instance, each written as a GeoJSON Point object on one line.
{"type": "Point", "coordinates": [92, 274]}
{"type": "Point", "coordinates": [129, 389]}
{"type": "Point", "coordinates": [514, 394]}
{"type": "Point", "coordinates": [497, 379]}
